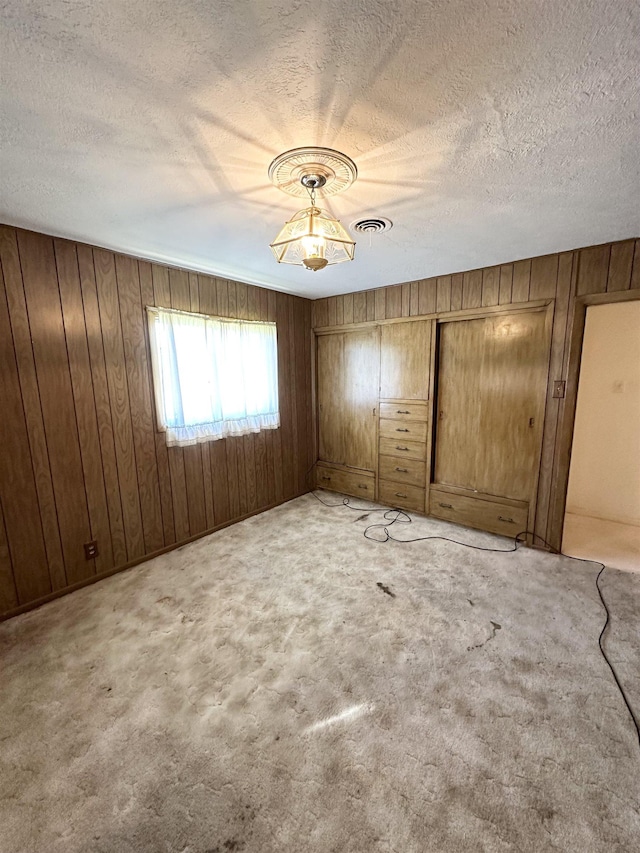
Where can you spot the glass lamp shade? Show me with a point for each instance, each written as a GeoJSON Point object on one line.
{"type": "Point", "coordinates": [314, 240]}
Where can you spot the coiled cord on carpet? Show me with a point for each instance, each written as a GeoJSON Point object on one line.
{"type": "Point", "coordinates": [393, 515]}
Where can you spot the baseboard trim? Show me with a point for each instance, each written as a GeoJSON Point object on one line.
{"type": "Point", "coordinates": [59, 593]}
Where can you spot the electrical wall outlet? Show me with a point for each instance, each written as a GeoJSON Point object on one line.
{"type": "Point", "coordinates": [91, 549]}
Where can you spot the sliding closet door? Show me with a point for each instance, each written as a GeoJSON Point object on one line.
{"type": "Point", "coordinates": [490, 404]}
{"type": "Point", "coordinates": [458, 403]}
{"type": "Point", "coordinates": [513, 381]}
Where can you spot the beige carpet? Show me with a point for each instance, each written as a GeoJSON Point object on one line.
{"type": "Point", "coordinates": [259, 691]}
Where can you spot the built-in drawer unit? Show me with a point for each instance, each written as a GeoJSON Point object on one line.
{"type": "Point", "coordinates": [401, 495]}
{"type": "Point", "coordinates": [349, 481]}
{"type": "Point", "coordinates": [404, 411]}
{"type": "Point", "coordinates": [403, 449]}
{"type": "Point", "coordinates": [400, 470]}
{"type": "Point", "coordinates": [405, 430]}
{"type": "Point", "coordinates": [485, 512]}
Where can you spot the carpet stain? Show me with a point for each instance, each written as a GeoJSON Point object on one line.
{"type": "Point", "coordinates": [495, 626]}
{"type": "Point", "coordinates": [386, 589]}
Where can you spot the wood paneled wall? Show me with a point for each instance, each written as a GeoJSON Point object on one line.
{"type": "Point", "coordinates": [80, 454]}
{"type": "Point", "coordinates": [566, 279]}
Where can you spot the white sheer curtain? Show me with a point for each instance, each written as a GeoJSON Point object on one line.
{"type": "Point", "coordinates": [212, 377]}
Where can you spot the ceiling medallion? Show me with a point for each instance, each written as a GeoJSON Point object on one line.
{"type": "Point", "coordinates": [312, 238]}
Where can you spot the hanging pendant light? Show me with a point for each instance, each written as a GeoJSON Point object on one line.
{"type": "Point", "coordinates": [312, 238]}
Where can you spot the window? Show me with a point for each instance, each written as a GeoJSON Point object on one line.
{"type": "Point", "coordinates": [213, 377]}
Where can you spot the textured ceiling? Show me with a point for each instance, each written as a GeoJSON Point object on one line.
{"type": "Point", "coordinates": [487, 131]}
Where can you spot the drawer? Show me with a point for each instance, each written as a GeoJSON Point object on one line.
{"type": "Point", "coordinates": [405, 430]}
{"type": "Point", "coordinates": [405, 411]}
{"type": "Point", "coordinates": [407, 449]}
{"type": "Point", "coordinates": [403, 470]}
{"type": "Point", "coordinates": [401, 495]}
{"type": "Point", "coordinates": [350, 482]}
{"type": "Point", "coordinates": [482, 513]}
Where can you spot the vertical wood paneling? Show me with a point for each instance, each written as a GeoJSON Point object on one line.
{"type": "Point", "coordinates": [42, 295]}
{"type": "Point", "coordinates": [413, 301]}
{"type": "Point", "coordinates": [348, 308]}
{"type": "Point", "coordinates": [232, 292]}
{"type": "Point", "coordinates": [561, 308]}
{"type": "Point", "coordinates": [359, 307]}
{"type": "Point", "coordinates": [394, 301]}
{"type": "Point", "coordinates": [506, 281]}
{"type": "Point", "coordinates": [620, 266]}
{"type": "Point", "coordinates": [520, 281]}
{"type": "Point", "coordinates": [443, 293]}
{"type": "Point", "coordinates": [406, 300]}
{"type": "Point", "coordinates": [107, 287]}
{"type": "Point", "coordinates": [8, 592]}
{"type": "Point", "coordinates": [339, 310]}
{"type": "Point", "coordinates": [24, 532]}
{"type": "Point", "coordinates": [137, 373]}
{"type": "Point", "coordinates": [544, 275]}
{"type": "Point", "coordinates": [371, 305]}
{"type": "Point", "coordinates": [490, 286]}
{"type": "Point", "coordinates": [472, 289]}
{"type": "Point", "coordinates": [380, 304]}
{"type": "Point", "coordinates": [456, 291]}
{"type": "Point", "coordinates": [427, 292]}
{"type": "Point", "coordinates": [332, 313]}
{"type": "Point", "coordinates": [321, 312]}
{"type": "Point", "coordinates": [593, 269]}
{"type": "Point", "coordinates": [19, 329]}
{"type": "Point", "coordinates": [102, 403]}
{"type": "Point", "coordinates": [82, 385]}
{"type": "Point", "coordinates": [82, 455]}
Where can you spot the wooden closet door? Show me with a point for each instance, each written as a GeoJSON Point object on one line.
{"type": "Point", "coordinates": [490, 405]}
{"type": "Point", "coordinates": [513, 380]}
{"type": "Point", "coordinates": [458, 403]}
{"type": "Point", "coordinates": [360, 397]}
{"type": "Point", "coordinates": [331, 411]}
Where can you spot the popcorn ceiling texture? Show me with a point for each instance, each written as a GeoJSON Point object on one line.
{"type": "Point", "coordinates": [286, 685]}
{"type": "Point", "coordinates": [487, 131]}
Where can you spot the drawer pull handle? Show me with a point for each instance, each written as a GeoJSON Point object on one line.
{"type": "Point", "coordinates": [445, 506]}
{"type": "Point", "coordinates": [402, 470]}
{"type": "Point", "coordinates": [398, 429]}
{"type": "Point", "coordinates": [401, 412]}
{"type": "Point", "coordinates": [362, 486]}
{"type": "Point", "coordinates": [400, 495]}
{"type": "Point", "coordinates": [509, 520]}
{"type": "Point", "coordinates": [402, 448]}
{"type": "Point", "coordinates": [325, 477]}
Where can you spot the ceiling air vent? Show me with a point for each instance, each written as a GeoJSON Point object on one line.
{"type": "Point", "coordinates": [372, 225]}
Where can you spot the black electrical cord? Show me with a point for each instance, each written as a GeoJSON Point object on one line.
{"type": "Point", "coordinates": [399, 516]}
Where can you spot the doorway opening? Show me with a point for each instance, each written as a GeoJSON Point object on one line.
{"type": "Point", "coordinates": [602, 516]}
